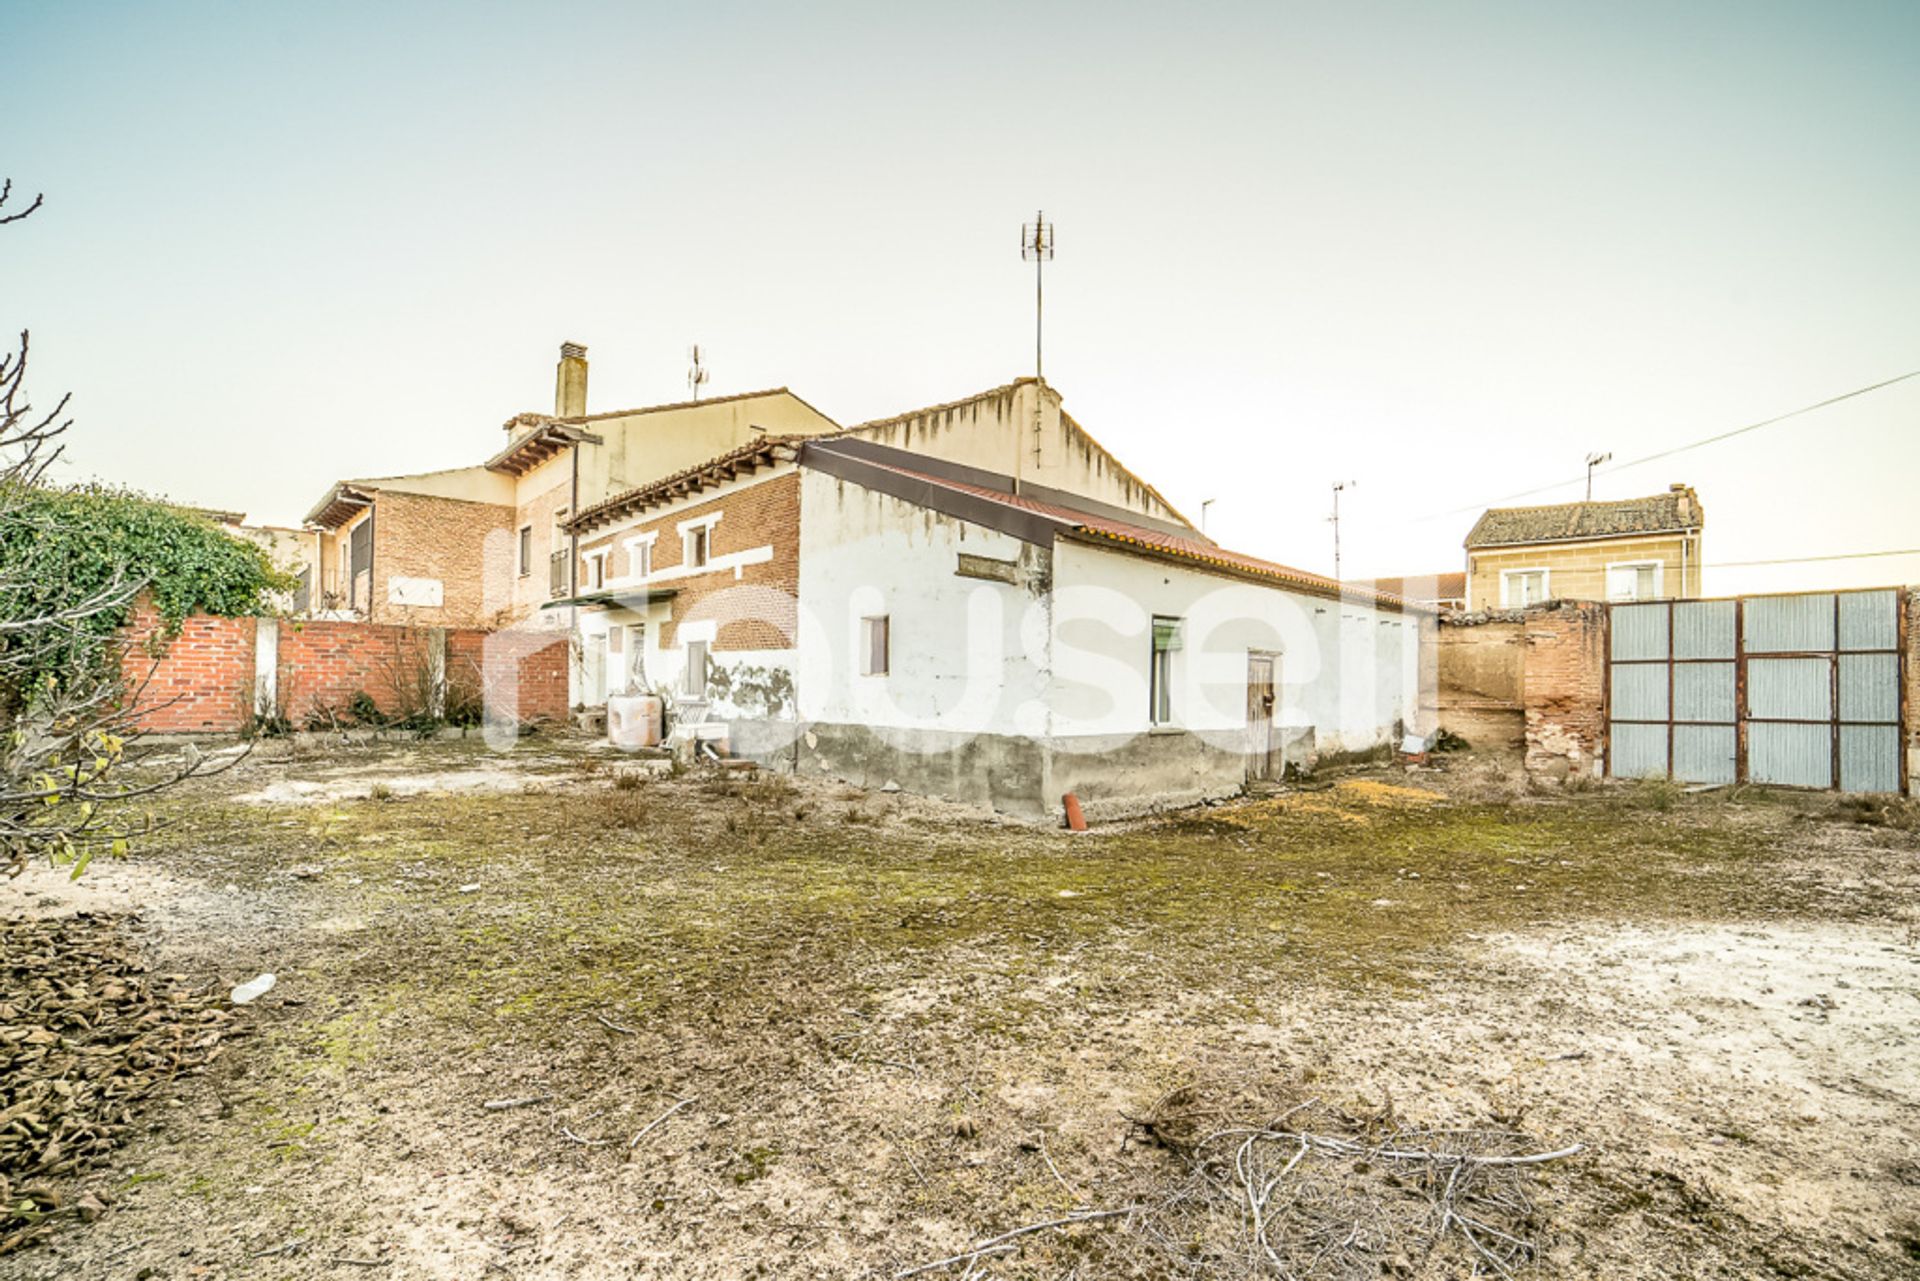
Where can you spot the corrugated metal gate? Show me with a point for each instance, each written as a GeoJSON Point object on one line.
{"type": "Point", "coordinates": [1804, 691]}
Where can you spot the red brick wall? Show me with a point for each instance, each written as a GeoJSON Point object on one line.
{"type": "Point", "coordinates": [1564, 688]}
{"type": "Point", "coordinates": [323, 665]}
{"type": "Point", "coordinates": [203, 679]}
{"type": "Point", "coordinates": [200, 683]}
{"type": "Point", "coordinates": [523, 675]}
{"type": "Point", "coordinates": [468, 547]}
{"type": "Point", "coordinates": [757, 610]}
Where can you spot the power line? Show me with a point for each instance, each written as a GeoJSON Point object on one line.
{"type": "Point", "coordinates": [1807, 560]}
{"type": "Point", "coordinates": [1681, 449]}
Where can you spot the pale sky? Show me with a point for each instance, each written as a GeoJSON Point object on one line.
{"type": "Point", "coordinates": [1440, 250]}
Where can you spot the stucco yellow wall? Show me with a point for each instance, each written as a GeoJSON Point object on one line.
{"type": "Point", "coordinates": [1578, 571]}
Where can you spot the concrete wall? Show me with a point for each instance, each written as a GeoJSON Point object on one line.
{"type": "Point", "coordinates": [1911, 686]}
{"type": "Point", "coordinates": [996, 431]}
{"type": "Point", "coordinates": [1578, 571]}
{"type": "Point", "coordinates": [644, 446]}
{"type": "Point", "coordinates": [1348, 677]}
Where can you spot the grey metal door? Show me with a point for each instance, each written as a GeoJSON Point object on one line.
{"type": "Point", "coordinates": [1801, 691]}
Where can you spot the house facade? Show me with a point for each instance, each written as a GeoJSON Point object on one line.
{"type": "Point", "coordinates": [977, 601]}
{"type": "Point", "coordinates": [486, 545]}
{"type": "Point", "coordinates": [1632, 549]}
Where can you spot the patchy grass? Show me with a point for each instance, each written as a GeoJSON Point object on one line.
{"type": "Point", "coordinates": [835, 976]}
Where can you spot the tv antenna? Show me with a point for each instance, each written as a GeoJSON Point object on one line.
{"type": "Point", "coordinates": [697, 373]}
{"type": "Point", "coordinates": [1593, 461]}
{"type": "Point", "coordinates": [1204, 504]}
{"type": "Point", "coordinates": [1036, 247]}
{"type": "Point", "coordinates": [1338, 485]}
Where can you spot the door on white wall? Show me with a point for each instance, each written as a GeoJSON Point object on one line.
{"type": "Point", "coordinates": [593, 671]}
{"type": "Point", "coordinates": [1263, 758]}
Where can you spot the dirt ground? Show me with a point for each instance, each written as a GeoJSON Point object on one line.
{"type": "Point", "coordinates": [751, 1028]}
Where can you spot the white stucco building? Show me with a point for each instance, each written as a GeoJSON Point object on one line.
{"type": "Point", "coordinates": [978, 601]}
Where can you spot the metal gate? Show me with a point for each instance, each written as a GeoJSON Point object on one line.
{"type": "Point", "coordinates": [1803, 691]}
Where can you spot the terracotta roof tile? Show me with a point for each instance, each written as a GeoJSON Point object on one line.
{"type": "Point", "coordinates": [1669, 513]}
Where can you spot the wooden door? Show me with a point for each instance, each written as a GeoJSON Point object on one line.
{"type": "Point", "coordinates": [1261, 763]}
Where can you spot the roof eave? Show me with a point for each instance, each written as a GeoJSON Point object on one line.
{"type": "Point", "coordinates": [1209, 564]}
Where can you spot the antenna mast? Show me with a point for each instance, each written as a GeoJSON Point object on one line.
{"type": "Point", "coordinates": [1338, 485]}
{"type": "Point", "coordinates": [1593, 461]}
{"type": "Point", "coordinates": [1036, 247]}
{"type": "Point", "coordinates": [697, 373]}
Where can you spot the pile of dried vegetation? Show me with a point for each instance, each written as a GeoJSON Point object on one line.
{"type": "Point", "coordinates": [85, 1035]}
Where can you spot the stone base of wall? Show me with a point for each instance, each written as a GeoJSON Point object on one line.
{"type": "Point", "coordinates": [1115, 776]}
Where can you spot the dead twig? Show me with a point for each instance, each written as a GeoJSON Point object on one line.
{"type": "Point", "coordinates": [501, 1105]}
{"type": "Point", "coordinates": [996, 1244]}
{"type": "Point", "coordinates": [656, 1121]}
{"type": "Point", "coordinates": [611, 1026]}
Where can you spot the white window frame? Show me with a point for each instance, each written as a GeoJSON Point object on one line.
{"type": "Point", "coordinates": [525, 546]}
{"type": "Point", "coordinates": [1659, 578]}
{"type": "Point", "coordinates": [1161, 713]}
{"type": "Point", "coordinates": [640, 555]}
{"type": "Point", "coordinates": [1506, 584]}
{"type": "Point", "coordinates": [596, 562]}
{"type": "Point", "coordinates": [687, 528]}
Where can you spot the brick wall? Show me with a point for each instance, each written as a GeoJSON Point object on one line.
{"type": "Point", "coordinates": [201, 683]}
{"type": "Point", "coordinates": [544, 491]}
{"type": "Point", "coordinates": [1578, 571]}
{"type": "Point", "coordinates": [203, 680]}
{"type": "Point", "coordinates": [759, 609]}
{"type": "Point", "coordinates": [522, 675]}
{"type": "Point", "coordinates": [468, 547]}
{"type": "Point", "coordinates": [1564, 688]}
{"type": "Point", "coordinates": [1480, 668]}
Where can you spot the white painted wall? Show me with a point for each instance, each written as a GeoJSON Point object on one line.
{"type": "Point", "coordinates": [968, 655]}
{"type": "Point", "coordinates": [1349, 671]}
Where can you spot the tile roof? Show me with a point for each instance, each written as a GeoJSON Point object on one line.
{"type": "Point", "coordinates": [1672, 512]}
{"type": "Point", "coordinates": [762, 451]}
{"type": "Point", "coordinates": [1101, 529]}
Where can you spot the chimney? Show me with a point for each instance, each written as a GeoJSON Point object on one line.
{"type": "Point", "coordinates": [570, 382]}
{"type": "Point", "coordinates": [1686, 502]}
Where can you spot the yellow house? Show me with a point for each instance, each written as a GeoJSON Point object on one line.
{"type": "Point", "coordinates": [1632, 549]}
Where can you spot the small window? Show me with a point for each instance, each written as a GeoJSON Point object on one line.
{"type": "Point", "coordinates": [1638, 580]}
{"type": "Point", "coordinates": [873, 648]}
{"type": "Point", "coordinates": [1166, 639]}
{"type": "Point", "coordinates": [640, 558]}
{"type": "Point", "coordinates": [694, 680]}
{"type": "Point", "coordinates": [596, 576]}
{"type": "Point", "coordinates": [696, 545]}
{"type": "Point", "coordinates": [1522, 587]}
{"type": "Point", "coordinates": [526, 550]}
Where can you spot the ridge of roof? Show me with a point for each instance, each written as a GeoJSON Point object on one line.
{"type": "Point", "coordinates": [687, 479]}
{"type": "Point", "coordinates": [944, 406]}
{"type": "Point", "coordinates": [1104, 529]}
{"type": "Point", "coordinates": [1676, 510]}
{"type": "Point", "coordinates": [575, 419]}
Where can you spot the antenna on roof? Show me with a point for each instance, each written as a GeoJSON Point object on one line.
{"type": "Point", "coordinates": [697, 373]}
{"type": "Point", "coordinates": [1036, 247]}
{"type": "Point", "coordinates": [1338, 485]}
{"type": "Point", "coordinates": [1593, 461]}
{"type": "Point", "coordinates": [1204, 504]}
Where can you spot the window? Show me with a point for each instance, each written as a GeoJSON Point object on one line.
{"type": "Point", "coordinates": [1634, 580]}
{"type": "Point", "coordinates": [693, 681]}
{"type": "Point", "coordinates": [873, 647]}
{"type": "Point", "coordinates": [695, 545]}
{"type": "Point", "coordinates": [640, 557]}
{"type": "Point", "coordinates": [1522, 587]}
{"type": "Point", "coordinates": [1166, 639]}
{"type": "Point", "coordinates": [596, 563]}
{"type": "Point", "coordinates": [526, 550]}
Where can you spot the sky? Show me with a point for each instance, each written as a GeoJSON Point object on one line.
{"type": "Point", "coordinates": [1440, 251]}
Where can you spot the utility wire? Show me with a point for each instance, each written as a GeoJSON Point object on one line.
{"type": "Point", "coordinates": [1680, 449]}
{"type": "Point", "coordinates": [1807, 560]}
